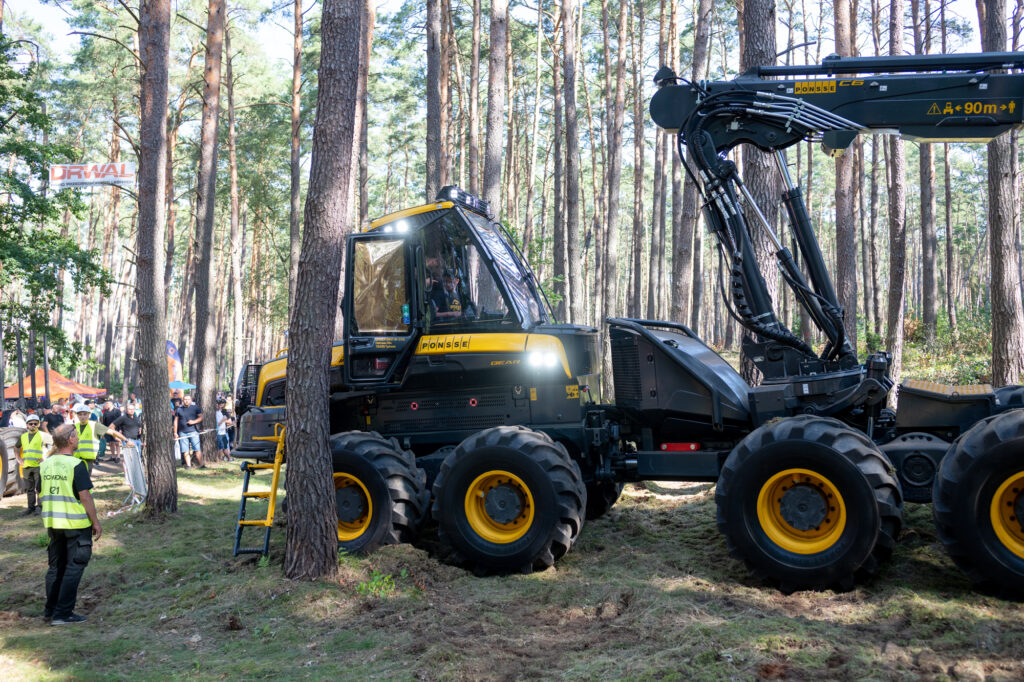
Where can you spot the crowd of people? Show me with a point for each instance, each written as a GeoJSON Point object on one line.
{"type": "Point", "coordinates": [60, 445]}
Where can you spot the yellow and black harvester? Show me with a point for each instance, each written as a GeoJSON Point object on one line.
{"type": "Point", "coordinates": [456, 396]}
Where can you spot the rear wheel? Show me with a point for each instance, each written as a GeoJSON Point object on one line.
{"type": "Point", "coordinates": [809, 503]}
{"type": "Point", "coordinates": [601, 497]}
{"type": "Point", "coordinates": [509, 499]}
{"type": "Point", "coordinates": [380, 494]}
{"type": "Point", "coordinates": [979, 504]}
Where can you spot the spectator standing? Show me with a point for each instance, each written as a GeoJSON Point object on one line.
{"type": "Point", "coordinates": [129, 425]}
{"type": "Point", "coordinates": [186, 421]}
{"type": "Point", "coordinates": [29, 451]}
{"type": "Point", "coordinates": [71, 522]}
{"type": "Point", "coordinates": [110, 415]}
{"type": "Point", "coordinates": [89, 433]}
{"type": "Point", "coordinates": [223, 422]}
{"type": "Point", "coordinates": [51, 420]}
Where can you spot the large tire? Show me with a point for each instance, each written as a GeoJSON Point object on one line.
{"type": "Point", "coordinates": [10, 481]}
{"type": "Point", "coordinates": [601, 497]}
{"type": "Point", "coordinates": [809, 503]}
{"type": "Point", "coordinates": [509, 499]}
{"type": "Point", "coordinates": [979, 504]}
{"type": "Point", "coordinates": [380, 493]}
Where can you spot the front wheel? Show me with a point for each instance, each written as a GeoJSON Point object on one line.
{"type": "Point", "coordinates": [809, 503]}
{"type": "Point", "coordinates": [979, 504]}
{"type": "Point", "coordinates": [379, 492]}
{"type": "Point", "coordinates": [509, 499]}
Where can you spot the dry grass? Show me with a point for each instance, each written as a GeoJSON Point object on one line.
{"type": "Point", "coordinates": [647, 593]}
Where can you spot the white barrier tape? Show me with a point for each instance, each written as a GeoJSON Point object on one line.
{"type": "Point", "coordinates": [196, 433]}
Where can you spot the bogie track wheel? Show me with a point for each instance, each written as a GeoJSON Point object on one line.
{"type": "Point", "coordinates": [809, 503]}
{"type": "Point", "coordinates": [979, 504]}
{"type": "Point", "coordinates": [601, 497]}
{"type": "Point", "coordinates": [509, 499]}
{"type": "Point", "coordinates": [380, 494]}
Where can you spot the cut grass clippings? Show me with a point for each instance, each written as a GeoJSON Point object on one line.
{"type": "Point", "coordinates": [648, 592]}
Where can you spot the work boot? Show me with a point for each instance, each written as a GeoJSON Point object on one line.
{"type": "Point", "coordinates": [38, 511]}
{"type": "Point", "coordinates": [68, 620]}
{"type": "Point", "coordinates": [28, 512]}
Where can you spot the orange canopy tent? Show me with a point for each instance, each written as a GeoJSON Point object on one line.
{"type": "Point", "coordinates": [60, 387]}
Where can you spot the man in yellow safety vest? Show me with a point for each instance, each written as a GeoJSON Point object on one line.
{"type": "Point", "coordinates": [29, 451]}
{"type": "Point", "coordinates": [71, 522]}
{"type": "Point", "coordinates": [89, 434]}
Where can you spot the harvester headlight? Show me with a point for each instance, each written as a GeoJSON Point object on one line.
{"type": "Point", "coordinates": [542, 359]}
{"type": "Point", "coordinates": [402, 227]}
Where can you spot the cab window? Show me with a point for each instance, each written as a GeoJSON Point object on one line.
{"type": "Point", "coordinates": [381, 289]}
{"type": "Point", "coordinates": [459, 290]}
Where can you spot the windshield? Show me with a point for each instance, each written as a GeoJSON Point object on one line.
{"type": "Point", "coordinates": [511, 269]}
{"type": "Point", "coordinates": [460, 291]}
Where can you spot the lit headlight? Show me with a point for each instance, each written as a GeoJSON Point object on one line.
{"type": "Point", "coordinates": [542, 359]}
{"type": "Point", "coordinates": [402, 226]}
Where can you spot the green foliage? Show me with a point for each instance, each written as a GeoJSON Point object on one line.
{"type": "Point", "coordinates": [379, 584]}
{"type": "Point", "coordinates": [35, 256]}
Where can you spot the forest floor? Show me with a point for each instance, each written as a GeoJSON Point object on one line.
{"type": "Point", "coordinates": [648, 592]}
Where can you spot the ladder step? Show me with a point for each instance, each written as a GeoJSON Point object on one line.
{"type": "Point", "coordinates": [261, 466]}
{"type": "Point", "coordinates": [250, 550]}
{"type": "Point", "coordinates": [261, 522]}
{"type": "Point", "coordinates": [262, 494]}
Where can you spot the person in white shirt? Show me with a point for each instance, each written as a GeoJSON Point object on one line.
{"type": "Point", "coordinates": [223, 422]}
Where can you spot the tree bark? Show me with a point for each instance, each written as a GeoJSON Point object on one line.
{"type": "Point", "coordinates": [474, 104]}
{"type": "Point", "coordinates": [311, 546]}
{"type": "Point", "coordinates": [560, 265]}
{"type": "Point", "coordinates": [1007, 313]}
{"type": "Point", "coordinates": [572, 164]}
{"type": "Point", "coordinates": [897, 221]}
{"type": "Point", "coordinates": [204, 350]}
{"type": "Point", "coordinates": [846, 223]}
{"type": "Point", "coordinates": [154, 51]}
{"type": "Point", "coordinates": [295, 205]}
{"type": "Point", "coordinates": [531, 168]}
{"type": "Point", "coordinates": [496, 87]}
{"type": "Point", "coordinates": [758, 23]}
{"type": "Point", "coordinates": [236, 238]}
{"type": "Point", "coordinates": [434, 112]}
{"type": "Point", "coordinates": [639, 238]}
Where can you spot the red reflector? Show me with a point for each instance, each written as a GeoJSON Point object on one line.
{"type": "Point", "coordinates": [680, 447]}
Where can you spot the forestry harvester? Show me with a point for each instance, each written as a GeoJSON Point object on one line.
{"type": "Point", "coordinates": [457, 396]}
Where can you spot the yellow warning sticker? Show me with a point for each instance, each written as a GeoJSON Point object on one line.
{"type": "Point", "coordinates": [533, 394]}
{"type": "Point", "coordinates": [572, 392]}
{"type": "Point", "coordinates": [934, 110]}
{"type": "Point", "coordinates": [814, 87]}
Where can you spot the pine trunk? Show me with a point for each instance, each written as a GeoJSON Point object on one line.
{"type": "Point", "coordinates": [1007, 313]}
{"type": "Point", "coordinates": [205, 345]}
{"type": "Point", "coordinates": [496, 87]}
{"type": "Point", "coordinates": [897, 221]}
{"type": "Point", "coordinates": [154, 51]}
{"type": "Point", "coordinates": [758, 23]}
{"type": "Point", "coordinates": [295, 205]}
{"type": "Point", "coordinates": [311, 547]}
{"type": "Point", "coordinates": [434, 112]}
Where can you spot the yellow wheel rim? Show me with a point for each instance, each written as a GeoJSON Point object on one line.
{"type": "Point", "coordinates": [806, 492]}
{"type": "Point", "coordinates": [350, 530]}
{"type": "Point", "coordinates": [499, 507]}
{"type": "Point", "coordinates": [1006, 504]}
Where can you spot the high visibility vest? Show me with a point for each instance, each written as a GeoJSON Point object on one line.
{"type": "Point", "coordinates": [86, 442]}
{"type": "Point", "coordinates": [60, 507]}
{"type": "Point", "coordinates": [31, 450]}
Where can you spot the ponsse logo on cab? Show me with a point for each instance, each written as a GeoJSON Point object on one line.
{"type": "Point", "coordinates": [428, 343]}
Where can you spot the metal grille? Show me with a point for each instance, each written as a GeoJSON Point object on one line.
{"type": "Point", "coordinates": [454, 422]}
{"type": "Point", "coordinates": [626, 369]}
{"type": "Point", "coordinates": [459, 402]}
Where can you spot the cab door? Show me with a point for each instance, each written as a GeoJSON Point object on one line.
{"type": "Point", "coordinates": [383, 318]}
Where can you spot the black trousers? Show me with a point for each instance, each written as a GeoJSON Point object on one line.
{"type": "Point", "coordinates": [69, 554]}
{"type": "Point", "coordinates": [34, 482]}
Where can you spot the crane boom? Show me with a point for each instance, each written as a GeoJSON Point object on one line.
{"type": "Point", "coordinates": [929, 98]}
